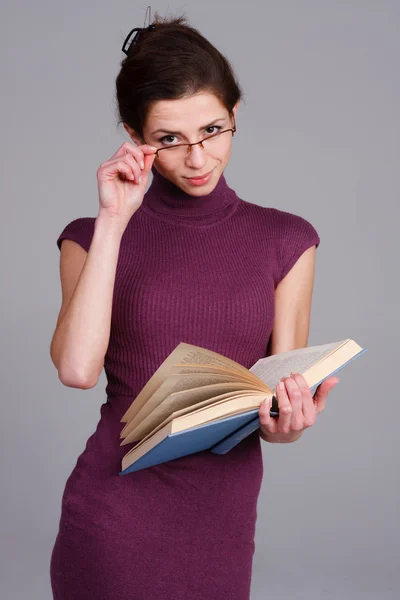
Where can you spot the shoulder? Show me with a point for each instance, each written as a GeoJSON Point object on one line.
{"type": "Point", "coordinates": [79, 230]}
{"type": "Point", "coordinates": [296, 235]}
{"type": "Point", "coordinates": [280, 222]}
{"type": "Point", "coordinates": [288, 233]}
{"type": "Point", "coordinates": [294, 227]}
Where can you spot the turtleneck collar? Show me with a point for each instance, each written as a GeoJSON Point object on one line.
{"type": "Point", "coordinates": [165, 200]}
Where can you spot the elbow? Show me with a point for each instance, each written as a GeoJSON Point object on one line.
{"type": "Point", "coordinates": [73, 379]}
{"type": "Point", "coordinates": [83, 379]}
{"type": "Point", "coordinates": [76, 381]}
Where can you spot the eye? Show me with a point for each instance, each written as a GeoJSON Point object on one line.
{"type": "Point", "coordinates": [168, 140]}
{"type": "Point", "coordinates": [216, 128]}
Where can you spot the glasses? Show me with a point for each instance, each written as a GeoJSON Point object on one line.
{"type": "Point", "coordinates": [179, 151]}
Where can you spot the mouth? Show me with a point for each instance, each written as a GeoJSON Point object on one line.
{"type": "Point", "coordinates": [200, 179]}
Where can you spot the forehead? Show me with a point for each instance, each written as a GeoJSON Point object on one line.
{"type": "Point", "coordinates": [193, 110]}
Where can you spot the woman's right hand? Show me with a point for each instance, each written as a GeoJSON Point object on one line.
{"type": "Point", "coordinates": [122, 180]}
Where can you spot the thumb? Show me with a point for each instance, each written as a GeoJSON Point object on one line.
{"type": "Point", "coordinates": [148, 163]}
{"type": "Point", "coordinates": [329, 383]}
{"type": "Point", "coordinates": [326, 386]}
{"type": "Point", "coordinates": [322, 392]}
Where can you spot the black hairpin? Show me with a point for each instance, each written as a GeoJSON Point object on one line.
{"type": "Point", "coordinates": [138, 31]}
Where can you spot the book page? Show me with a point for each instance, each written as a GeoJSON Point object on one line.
{"type": "Point", "coordinates": [178, 383]}
{"type": "Point", "coordinates": [201, 356]}
{"type": "Point", "coordinates": [332, 363]}
{"type": "Point", "coordinates": [183, 354]}
{"type": "Point", "coordinates": [195, 368]}
{"type": "Point", "coordinates": [214, 413]}
{"type": "Point", "coordinates": [219, 411]}
{"type": "Point", "coordinates": [189, 409]}
{"type": "Point", "coordinates": [273, 368]}
{"type": "Point", "coordinates": [178, 401]}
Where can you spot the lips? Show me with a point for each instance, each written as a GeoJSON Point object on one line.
{"type": "Point", "coordinates": [200, 176]}
{"type": "Point", "coordinates": [199, 180]}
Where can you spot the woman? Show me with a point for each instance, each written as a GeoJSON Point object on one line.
{"type": "Point", "coordinates": [186, 261]}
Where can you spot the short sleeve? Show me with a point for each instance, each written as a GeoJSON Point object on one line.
{"type": "Point", "coordinates": [80, 230]}
{"type": "Point", "coordinates": [297, 235]}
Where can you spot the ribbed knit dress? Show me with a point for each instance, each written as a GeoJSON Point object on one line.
{"type": "Point", "coordinates": [200, 270]}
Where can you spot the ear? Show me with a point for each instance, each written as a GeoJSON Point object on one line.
{"type": "Point", "coordinates": [234, 109]}
{"type": "Point", "coordinates": [133, 135]}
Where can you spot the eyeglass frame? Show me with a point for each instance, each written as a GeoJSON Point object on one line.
{"type": "Point", "coordinates": [200, 142]}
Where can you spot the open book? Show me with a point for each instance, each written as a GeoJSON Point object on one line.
{"type": "Point", "coordinates": [201, 400]}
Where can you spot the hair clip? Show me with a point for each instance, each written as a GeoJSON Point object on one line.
{"type": "Point", "coordinates": [138, 31]}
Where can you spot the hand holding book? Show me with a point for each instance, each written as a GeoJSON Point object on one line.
{"type": "Point", "coordinates": [298, 408]}
{"type": "Point", "coordinates": [202, 400]}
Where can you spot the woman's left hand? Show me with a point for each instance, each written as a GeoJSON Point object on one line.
{"type": "Point", "coordinates": [298, 409]}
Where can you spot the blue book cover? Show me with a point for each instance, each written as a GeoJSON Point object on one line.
{"type": "Point", "coordinates": [223, 446]}
{"type": "Point", "coordinates": [190, 441]}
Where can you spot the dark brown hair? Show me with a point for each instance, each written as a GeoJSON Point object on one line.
{"type": "Point", "coordinates": [173, 61]}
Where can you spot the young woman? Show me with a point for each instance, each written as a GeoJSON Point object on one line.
{"type": "Point", "coordinates": [188, 260]}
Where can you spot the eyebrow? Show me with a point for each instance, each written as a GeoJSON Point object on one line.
{"type": "Point", "coordinates": [180, 133]}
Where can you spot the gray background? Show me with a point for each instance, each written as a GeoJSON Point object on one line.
{"type": "Point", "coordinates": [318, 135]}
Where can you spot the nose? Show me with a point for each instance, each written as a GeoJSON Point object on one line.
{"type": "Point", "coordinates": [196, 157]}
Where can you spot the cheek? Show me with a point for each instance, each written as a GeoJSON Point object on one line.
{"type": "Point", "coordinates": [162, 169]}
{"type": "Point", "coordinates": [222, 156]}
{"type": "Point", "coordinates": [172, 174]}
{"type": "Point", "coordinates": [226, 156]}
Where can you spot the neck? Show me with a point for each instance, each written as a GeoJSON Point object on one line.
{"type": "Point", "coordinates": [165, 198]}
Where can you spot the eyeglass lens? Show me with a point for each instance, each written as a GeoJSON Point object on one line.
{"type": "Point", "coordinates": [181, 150]}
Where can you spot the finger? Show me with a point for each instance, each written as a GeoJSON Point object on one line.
{"type": "Point", "coordinates": [296, 401]}
{"type": "Point", "coordinates": [144, 149]}
{"type": "Point", "coordinates": [148, 149]}
{"type": "Point", "coordinates": [138, 152]}
{"type": "Point", "coordinates": [108, 170]}
{"type": "Point", "coordinates": [129, 148]}
{"type": "Point", "coordinates": [267, 422]}
{"type": "Point", "coordinates": [309, 409]}
{"type": "Point", "coordinates": [132, 162]}
{"type": "Point", "coordinates": [133, 165]}
{"type": "Point", "coordinates": [322, 392]}
{"type": "Point", "coordinates": [285, 409]}
{"type": "Point", "coordinates": [148, 163]}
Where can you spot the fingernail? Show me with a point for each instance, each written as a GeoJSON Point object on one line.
{"type": "Point", "coordinates": [142, 164]}
{"type": "Point", "coordinates": [281, 385]}
{"type": "Point", "coordinates": [140, 180]}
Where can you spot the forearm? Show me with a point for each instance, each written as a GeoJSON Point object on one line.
{"type": "Point", "coordinates": [82, 336]}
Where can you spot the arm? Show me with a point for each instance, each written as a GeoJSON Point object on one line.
{"type": "Point", "coordinates": [293, 297]}
{"type": "Point", "coordinates": [82, 333]}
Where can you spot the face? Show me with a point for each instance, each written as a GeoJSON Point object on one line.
{"type": "Point", "coordinates": [185, 121]}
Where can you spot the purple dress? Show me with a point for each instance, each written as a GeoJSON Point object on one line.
{"type": "Point", "coordinates": [197, 270]}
